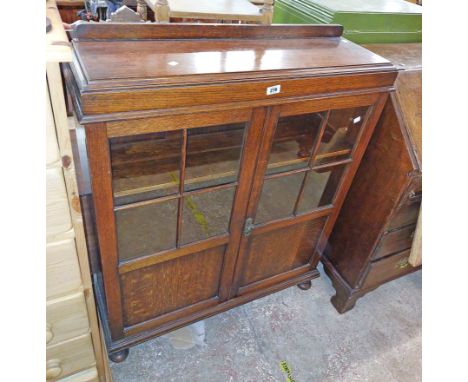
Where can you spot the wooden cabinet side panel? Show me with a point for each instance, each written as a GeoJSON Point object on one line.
{"type": "Point", "coordinates": [100, 169]}
{"type": "Point", "coordinates": [375, 191]}
{"type": "Point", "coordinates": [409, 96]}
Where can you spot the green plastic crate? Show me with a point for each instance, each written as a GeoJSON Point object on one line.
{"type": "Point", "coordinates": [364, 21]}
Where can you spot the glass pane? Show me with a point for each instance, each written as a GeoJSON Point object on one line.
{"type": "Point", "coordinates": [145, 166]}
{"type": "Point", "coordinates": [340, 134]}
{"type": "Point", "coordinates": [206, 214]}
{"type": "Point", "coordinates": [320, 188]}
{"type": "Point", "coordinates": [147, 229]}
{"type": "Point", "coordinates": [213, 155]}
{"type": "Point", "coordinates": [278, 197]}
{"type": "Point", "coordinates": [293, 142]}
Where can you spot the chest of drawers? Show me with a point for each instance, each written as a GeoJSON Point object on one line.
{"type": "Point", "coordinates": [218, 157]}
{"type": "Point", "coordinates": [373, 235]}
{"type": "Point", "coordinates": [73, 339]}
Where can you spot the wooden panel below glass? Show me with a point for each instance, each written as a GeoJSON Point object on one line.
{"type": "Point", "coordinates": [280, 250]}
{"type": "Point", "coordinates": [165, 287]}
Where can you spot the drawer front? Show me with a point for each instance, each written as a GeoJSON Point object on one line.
{"type": "Point", "coordinates": [63, 270]}
{"type": "Point", "coordinates": [67, 318]}
{"type": "Point", "coordinates": [408, 211]}
{"type": "Point", "coordinates": [395, 241]}
{"type": "Point", "coordinates": [388, 268]}
{"type": "Point", "coordinates": [58, 214]}
{"type": "Point", "coordinates": [90, 375]}
{"type": "Point", "coordinates": [69, 357]}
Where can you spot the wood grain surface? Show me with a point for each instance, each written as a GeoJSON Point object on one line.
{"type": "Point", "coordinates": [373, 235]}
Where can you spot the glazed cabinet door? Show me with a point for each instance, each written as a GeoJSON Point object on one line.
{"type": "Point", "coordinates": [170, 199]}
{"type": "Point", "coordinates": [304, 167]}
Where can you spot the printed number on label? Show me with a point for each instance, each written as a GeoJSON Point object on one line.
{"type": "Point", "coordinates": [273, 90]}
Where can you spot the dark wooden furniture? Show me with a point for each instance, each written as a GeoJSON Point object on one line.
{"type": "Point", "coordinates": [219, 157]}
{"type": "Point", "coordinates": [372, 237]}
{"type": "Point", "coordinates": [69, 10]}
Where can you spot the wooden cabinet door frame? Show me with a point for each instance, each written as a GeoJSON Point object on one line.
{"type": "Point", "coordinates": [98, 145]}
{"type": "Point", "coordinates": [375, 102]}
{"type": "Point", "coordinates": [258, 137]}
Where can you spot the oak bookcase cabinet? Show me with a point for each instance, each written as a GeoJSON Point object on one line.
{"type": "Point", "coordinates": [218, 159]}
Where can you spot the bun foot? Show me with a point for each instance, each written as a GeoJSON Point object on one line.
{"type": "Point", "coordinates": [119, 356]}
{"type": "Point", "coordinates": [306, 285]}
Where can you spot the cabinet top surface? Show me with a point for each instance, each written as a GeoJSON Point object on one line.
{"type": "Point", "coordinates": [142, 54]}
{"type": "Point", "coordinates": [408, 87]}
{"type": "Point", "coordinates": [406, 55]}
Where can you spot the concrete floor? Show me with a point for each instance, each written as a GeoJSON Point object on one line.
{"type": "Point", "coordinates": [379, 340]}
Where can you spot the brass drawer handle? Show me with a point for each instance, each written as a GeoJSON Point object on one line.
{"type": "Point", "coordinates": [402, 264]}
{"type": "Point", "coordinates": [54, 368]}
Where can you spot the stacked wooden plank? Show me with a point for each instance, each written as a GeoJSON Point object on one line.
{"type": "Point", "coordinates": [74, 349]}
